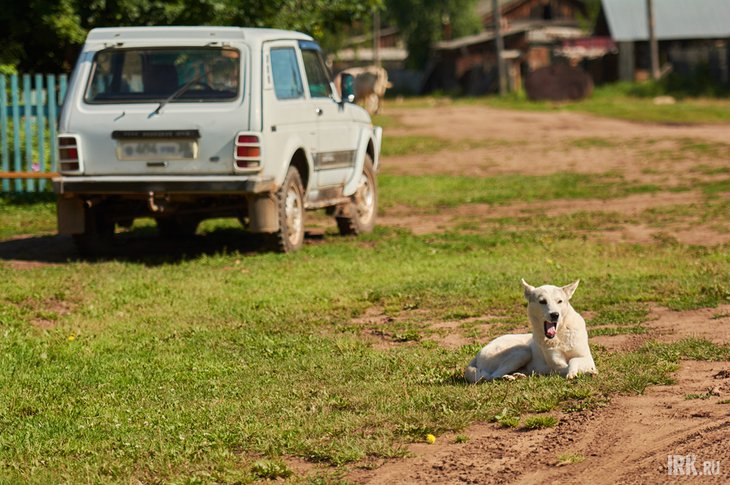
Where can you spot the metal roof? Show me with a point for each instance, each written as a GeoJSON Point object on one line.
{"type": "Point", "coordinates": [486, 36]}
{"type": "Point", "coordinates": [673, 19]}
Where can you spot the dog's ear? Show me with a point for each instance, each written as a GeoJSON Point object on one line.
{"type": "Point", "coordinates": [528, 288]}
{"type": "Point", "coordinates": [570, 289]}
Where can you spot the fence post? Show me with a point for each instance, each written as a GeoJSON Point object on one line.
{"type": "Point", "coordinates": [14, 99]}
{"type": "Point", "coordinates": [63, 85]}
{"type": "Point", "coordinates": [28, 112]}
{"type": "Point", "coordinates": [4, 155]}
{"type": "Point", "coordinates": [52, 120]}
{"type": "Point", "coordinates": [41, 131]}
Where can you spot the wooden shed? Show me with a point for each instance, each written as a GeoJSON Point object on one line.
{"type": "Point", "coordinates": [531, 30]}
{"type": "Point", "coordinates": [692, 34]}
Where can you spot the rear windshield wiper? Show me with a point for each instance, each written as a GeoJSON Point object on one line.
{"type": "Point", "coordinates": [179, 92]}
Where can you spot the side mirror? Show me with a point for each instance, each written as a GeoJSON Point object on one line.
{"type": "Point", "coordinates": [348, 87]}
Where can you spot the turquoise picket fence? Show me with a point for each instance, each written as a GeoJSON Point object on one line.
{"type": "Point", "coordinates": [29, 109]}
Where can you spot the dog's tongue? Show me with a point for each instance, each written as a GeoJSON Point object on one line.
{"type": "Point", "coordinates": [550, 329]}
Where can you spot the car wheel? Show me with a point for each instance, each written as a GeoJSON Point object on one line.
{"type": "Point", "coordinates": [98, 235]}
{"type": "Point", "coordinates": [358, 215]}
{"type": "Point", "coordinates": [290, 207]}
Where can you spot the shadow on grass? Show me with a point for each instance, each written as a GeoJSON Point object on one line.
{"type": "Point", "coordinates": [142, 246]}
{"type": "Point", "coordinates": [21, 198]}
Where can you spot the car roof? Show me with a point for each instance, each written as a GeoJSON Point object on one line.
{"type": "Point", "coordinates": [191, 34]}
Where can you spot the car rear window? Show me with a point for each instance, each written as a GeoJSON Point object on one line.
{"type": "Point", "coordinates": [149, 75]}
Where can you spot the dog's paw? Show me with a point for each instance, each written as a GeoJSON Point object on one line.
{"type": "Point", "coordinates": [513, 376]}
{"type": "Point", "coordinates": [573, 375]}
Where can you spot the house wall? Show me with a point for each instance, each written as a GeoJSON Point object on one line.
{"type": "Point", "coordinates": [687, 58]}
{"type": "Point", "coordinates": [544, 10]}
{"type": "Point", "coordinates": [626, 61]}
{"type": "Point", "coordinates": [539, 10]}
{"type": "Point", "coordinates": [472, 70]}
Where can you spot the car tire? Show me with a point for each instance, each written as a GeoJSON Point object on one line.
{"type": "Point", "coordinates": [98, 235]}
{"type": "Point", "coordinates": [359, 214]}
{"type": "Point", "coordinates": [290, 212]}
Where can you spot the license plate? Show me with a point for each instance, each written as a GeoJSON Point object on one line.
{"type": "Point", "coordinates": [157, 149]}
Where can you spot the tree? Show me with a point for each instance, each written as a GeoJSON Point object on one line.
{"type": "Point", "coordinates": [423, 23]}
{"type": "Point", "coordinates": [39, 34]}
{"type": "Point", "coordinates": [45, 35]}
{"type": "Point", "coordinates": [592, 9]}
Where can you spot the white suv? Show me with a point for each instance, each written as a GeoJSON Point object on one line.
{"type": "Point", "coordinates": [186, 123]}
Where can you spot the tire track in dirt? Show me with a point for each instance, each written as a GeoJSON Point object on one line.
{"type": "Point", "coordinates": [477, 122]}
{"type": "Point", "coordinates": [689, 231]}
{"type": "Point", "coordinates": [547, 143]}
{"type": "Point", "coordinates": [631, 439]}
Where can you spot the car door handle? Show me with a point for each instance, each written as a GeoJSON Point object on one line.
{"type": "Point", "coordinates": [319, 111]}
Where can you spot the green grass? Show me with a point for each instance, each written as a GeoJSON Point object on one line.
{"type": "Point", "coordinates": [270, 470]}
{"type": "Point", "coordinates": [216, 366]}
{"type": "Point", "coordinates": [630, 313]}
{"type": "Point", "coordinates": [507, 419]}
{"type": "Point", "coordinates": [386, 122]}
{"type": "Point", "coordinates": [539, 422]}
{"type": "Point", "coordinates": [570, 458]}
{"type": "Point", "coordinates": [410, 145]}
{"type": "Point", "coordinates": [613, 101]}
{"type": "Point", "coordinates": [439, 190]}
{"type": "Point", "coordinates": [27, 214]}
{"type": "Point", "coordinates": [35, 214]}
{"type": "Point", "coordinates": [182, 369]}
{"type": "Point", "coordinates": [593, 142]}
{"type": "Point", "coordinates": [610, 331]}
{"type": "Point", "coordinates": [687, 149]}
{"type": "Point", "coordinates": [703, 148]}
{"type": "Point", "coordinates": [419, 145]}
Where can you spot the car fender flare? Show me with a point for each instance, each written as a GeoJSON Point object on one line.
{"type": "Point", "coordinates": [366, 138]}
{"type": "Point", "coordinates": [293, 145]}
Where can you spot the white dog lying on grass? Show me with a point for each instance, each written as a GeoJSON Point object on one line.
{"type": "Point", "coordinates": [558, 343]}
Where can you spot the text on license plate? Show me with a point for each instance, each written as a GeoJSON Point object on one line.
{"type": "Point", "coordinates": [157, 149]}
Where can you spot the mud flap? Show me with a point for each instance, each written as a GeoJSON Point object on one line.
{"type": "Point", "coordinates": [70, 216]}
{"type": "Point", "coordinates": [263, 214]}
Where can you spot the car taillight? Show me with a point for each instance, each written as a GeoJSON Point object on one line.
{"type": "Point", "coordinates": [69, 158]}
{"type": "Point", "coordinates": [247, 152]}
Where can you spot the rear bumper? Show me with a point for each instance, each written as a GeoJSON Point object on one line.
{"type": "Point", "coordinates": [162, 185]}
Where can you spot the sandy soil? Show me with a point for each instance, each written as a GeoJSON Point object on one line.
{"type": "Point", "coordinates": [630, 440]}
{"type": "Point", "coordinates": [687, 231]}
{"type": "Point", "coordinates": [544, 143]}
